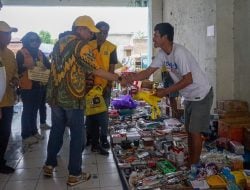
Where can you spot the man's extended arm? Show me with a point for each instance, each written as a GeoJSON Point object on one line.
{"type": "Point", "coordinates": [184, 82]}
{"type": "Point", "coordinates": [145, 74]}
{"type": "Point", "coordinates": [109, 76]}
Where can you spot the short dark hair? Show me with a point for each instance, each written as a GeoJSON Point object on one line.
{"type": "Point", "coordinates": [101, 24]}
{"type": "Point", "coordinates": [26, 38]}
{"type": "Point", "coordinates": [165, 29]}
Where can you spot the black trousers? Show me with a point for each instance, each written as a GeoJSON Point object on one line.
{"type": "Point", "coordinates": [5, 130]}
{"type": "Point", "coordinates": [93, 124]}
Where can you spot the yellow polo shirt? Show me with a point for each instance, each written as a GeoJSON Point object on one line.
{"type": "Point", "coordinates": [8, 60]}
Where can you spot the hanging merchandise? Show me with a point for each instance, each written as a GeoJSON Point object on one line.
{"type": "Point", "coordinates": [95, 102]}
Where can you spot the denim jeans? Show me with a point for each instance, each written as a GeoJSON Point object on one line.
{"type": "Point", "coordinates": [42, 108]}
{"type": "Point", "coordinates": [74, 118]}
{"type": "Point", "coordinates": [31, 101]}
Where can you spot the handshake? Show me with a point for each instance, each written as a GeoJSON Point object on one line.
{"type": "Point", "coordinates": [127, 79]}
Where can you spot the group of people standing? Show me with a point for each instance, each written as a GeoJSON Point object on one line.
{"type": "Point", "coordinates": [33, 93]}
{"type": "Point", "coordinates": [83, 58]}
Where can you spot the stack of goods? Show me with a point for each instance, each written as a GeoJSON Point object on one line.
{"type": "Point", "coordinates": [234, 122]}
{"type": "Point", "coordinates": [232, 109]}
{"type": "Point", "coordinates": [151, 152]}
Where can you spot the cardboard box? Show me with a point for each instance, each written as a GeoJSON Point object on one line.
{"type": "Point", "coordinates": [118, 138]}
{"type": "Point", "coordinates": [247, 138]}
{"type": "Point", "coordinates": [232, 114]}
{"type": "Point", "coordinates": [233, 128]}
{"type": "Point", "coordinates": [132, 136]}
{"type": "Point", "coordinates": [232, 105]}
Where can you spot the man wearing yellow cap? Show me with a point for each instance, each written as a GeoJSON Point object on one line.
{"type": "Point", "coordinates": [72, 59]}
{"type": "Point", "coordinates": [7, 60]}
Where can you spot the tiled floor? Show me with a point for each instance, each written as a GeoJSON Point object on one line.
{"type": "Point", "coordinates": [28, 162]}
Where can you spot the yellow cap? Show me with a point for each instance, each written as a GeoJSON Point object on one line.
{"type": "Point", "coordinates": [4, 27]}
{"type": "Point", "coordinates": [86, 21]}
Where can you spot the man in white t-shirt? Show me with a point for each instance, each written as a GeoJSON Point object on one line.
{"type": "Point", "coordinates": [189, 80]}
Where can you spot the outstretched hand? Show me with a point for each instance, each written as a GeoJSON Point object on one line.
{"type": "Point", "coordinates": [161, 92]}
{"type": "Point", "coordinates": [129, 77]}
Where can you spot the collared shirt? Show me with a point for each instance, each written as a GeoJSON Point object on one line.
{"type": "Point", "coordinates": [8, 60]}
{"type": "Point", "coordinates": [72, 59]}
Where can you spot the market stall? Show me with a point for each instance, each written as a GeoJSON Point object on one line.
{"type": "Point", "coordinates": [150, 149]}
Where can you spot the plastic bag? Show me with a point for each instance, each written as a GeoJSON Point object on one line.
{"type": "Point", "coordinates": [152, 100]}
{"type": "Point", "coordinates": [95, 102]}
{"type": "Point", "coordinates": [124, 102]}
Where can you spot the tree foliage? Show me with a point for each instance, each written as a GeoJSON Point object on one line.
{"type": "Point", "coordinates": [45, 37]}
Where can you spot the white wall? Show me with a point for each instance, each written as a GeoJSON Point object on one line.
{"type": "Point", "coordinates": [242, 49]}
{"type": "Point", "coordinates": [225, 50]}
{"type": "Point", "coordinates": [156, 13]}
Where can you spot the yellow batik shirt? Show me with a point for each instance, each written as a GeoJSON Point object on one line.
{"type": "Point", "coordinates": [72, 59]}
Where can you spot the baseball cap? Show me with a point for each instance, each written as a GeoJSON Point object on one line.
{"type": "Point", "coordinates": [86, 21]}
{"type": "Point", "coordinates": [4, 27]}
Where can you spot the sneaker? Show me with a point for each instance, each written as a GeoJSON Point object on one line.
{"type": "Point", "coordinates": [38, 136]}
{"type": "Point", "coordinates": [88, 143]}
{"type": "Point", "coordinates": [94, 148]}
{"type": "Point", "coordinates": [102, 151]}
{"type": "Point", "coordinates": [105, 144]}
{"type": "Point", "coordinates": [4, 169]}
{"type": "Point", "coordinates": [99, 149]}
{"type": "Point", "coordinates": [74, 180]}
{"type": "Point", "coordinates": [48, 171]}
{"type": "Point", "coordinates": [30, 140]}
{"type": "Point", "coordinates": [45, 126]}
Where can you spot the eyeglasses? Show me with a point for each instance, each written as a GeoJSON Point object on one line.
{"type": "Point", "coordinates": [34, 40]}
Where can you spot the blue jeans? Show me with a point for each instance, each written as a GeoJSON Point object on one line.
{"type": "Point", "coordinates": [74, 118]}
{"type": "Point", "coordinates": [42, 108]}
{"type": "Point", "coordinates": [31, 101]}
